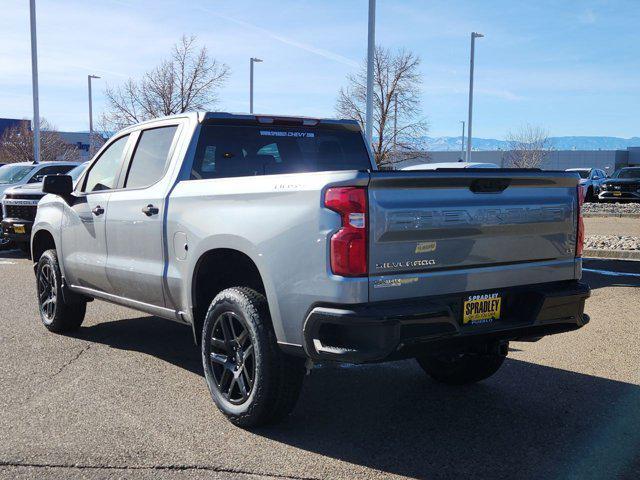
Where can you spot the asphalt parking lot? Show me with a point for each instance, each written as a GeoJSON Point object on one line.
{"type": "Point", "coordinates": [125, 398]}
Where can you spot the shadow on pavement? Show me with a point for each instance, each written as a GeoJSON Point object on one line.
{"type": "Point", "coordinates": [528, 421]}
{"type": "Point", "coordinates": [12, 253]}
{"type": "Point", "coordinates": [611, 273]}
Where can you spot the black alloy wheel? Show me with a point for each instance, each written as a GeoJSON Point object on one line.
{"type": "Point", "coordinates": [47, 293]}
{"type": "Point", "coordinates": [232, 358]}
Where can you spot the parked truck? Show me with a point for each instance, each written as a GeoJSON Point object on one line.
{"type": "Point", "coordinates": [278, 241]}
{"type": "Point", "coordinates": [20, 204]}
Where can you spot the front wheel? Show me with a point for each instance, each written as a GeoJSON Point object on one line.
{"type": "Point", "coordinates": [5, 243]}
{"type": "Point", "coordinates": [467, 367]}
{"type": "Point", "coordinates": [57, 314]}
{"type": "Point", "coordinates": [251, 380]}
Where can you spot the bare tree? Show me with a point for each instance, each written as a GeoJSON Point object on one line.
{"type": "Point", "coordinates": [188, 80]}
{"type": "Point", "coordinates": [16, 145]}
{"type": "Point", "coordinates": [529, 146]}
{"type": "Point", "coordinates": [397, 122]}
{"type": "Point", "coordinates": [99, 140]}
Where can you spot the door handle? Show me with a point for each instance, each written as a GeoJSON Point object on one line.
{"type": "Point", "coordinates": [150, 210]}
{"type": "Point", "coordinates": [98, 210]}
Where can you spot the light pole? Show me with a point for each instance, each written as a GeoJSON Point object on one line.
{"type": "Point", "coordinates": [474, 35]}
{"type": "Point", "coordinates": [89, 77]}
{"type": "Point", "coordinates": [34, 82]}
{"type": "Point", "coordinates": [462, 147]}
{"type": "Point", "coordinates": [251, 62]}
{"type": "Point", "coordinates": [371, 46]}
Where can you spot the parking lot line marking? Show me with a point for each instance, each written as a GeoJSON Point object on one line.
{"type": "Point", "coordinates": [611, 273]}
{"type": "Point", "coordinates": [6, 262]}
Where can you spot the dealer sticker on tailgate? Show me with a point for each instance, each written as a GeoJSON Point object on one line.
{"type": "Point", "coordinates": [483, 308]}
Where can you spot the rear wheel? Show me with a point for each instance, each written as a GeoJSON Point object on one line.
{"type": "Point", "coordinates": [251, 380]}
{"type": "Point", "coordinates": [466, 367]}
{"type": "Point", "coordinates": [590, 197]}
{"type": "Point", "coordinates": [56, 314]}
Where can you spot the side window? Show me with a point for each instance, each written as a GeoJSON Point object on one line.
{"type": "Point", "coordinates": [104, 173]}
{"type": "Point", "coordinates": [151, 156]}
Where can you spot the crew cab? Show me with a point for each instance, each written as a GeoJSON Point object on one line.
{"type": "Point", "coordinates": [280, 244]}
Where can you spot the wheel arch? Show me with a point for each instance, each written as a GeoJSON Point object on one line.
{"type": "Point", "coordinates": [215, 270]}
{"type": "Point", "coordinates": [41, 241]}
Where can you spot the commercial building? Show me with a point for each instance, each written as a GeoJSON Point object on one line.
{"type": "Point", "coordinates": [79, 140]}
{"type": "Point", "coordinates": [607, 160]}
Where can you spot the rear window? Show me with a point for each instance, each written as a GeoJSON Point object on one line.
{"type": "Point", "coordinates": [239, 151]}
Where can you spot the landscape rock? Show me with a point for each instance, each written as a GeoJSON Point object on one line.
{"type": "Point", "coordinates": [611, 242]}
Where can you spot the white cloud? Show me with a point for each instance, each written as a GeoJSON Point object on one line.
{"type": "Point", "coordinates": [286, 40]}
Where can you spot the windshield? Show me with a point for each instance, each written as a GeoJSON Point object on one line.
{"type": "Point", "coordinates": [582, 173]}
{"type": "Point", "coordinates": [627, 173]}
{"type": "Point", "coordinates": [13, 173]}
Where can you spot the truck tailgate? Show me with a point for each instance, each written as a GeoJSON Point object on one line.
{"type": "Point", "coordinates": [441, 232]}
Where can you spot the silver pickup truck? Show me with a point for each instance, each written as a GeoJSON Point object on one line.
{"type": "Point", "coordinates": [278, 241]}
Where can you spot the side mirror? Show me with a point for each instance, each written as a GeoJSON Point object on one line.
{"type": "Point", "coordinates": [61, 185]}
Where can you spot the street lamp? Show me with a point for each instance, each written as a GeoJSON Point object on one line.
{"type": "Point", "coordinates": [89, 77]}
{"type": "Point", "coordinates": [462, 147]}
{"type": "Point", "coordinates": [474, 35]}
{"type": "Point", "coordinates": [34, 82]}
{"type": "Point", "coordinates": [251, 62]}
{"type": "Point", "coordinates": [371, 46]}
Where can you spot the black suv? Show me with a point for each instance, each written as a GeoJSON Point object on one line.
{"type": "Point", "coordinates": [624, 184]}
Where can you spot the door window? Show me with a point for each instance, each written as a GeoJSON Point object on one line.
{"type": "Point", "coordinates": [151, 157]}
{"type": "Point", "coordinates": [104, 173]}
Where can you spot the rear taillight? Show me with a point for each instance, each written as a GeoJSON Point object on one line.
{"type": "Point", "coordinates": [580, 233]}
{"type": "Point", "coordinates": [349, 244]}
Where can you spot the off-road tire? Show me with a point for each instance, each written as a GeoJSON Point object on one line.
{"type": "Point", "coordinates": [277, 377]}
{"type": "Point", "coordinates": [462, 368]}
{"type": "Point", "coordinates": [590, 197]}
{"type": "Point", "coordinates": [64, 316]}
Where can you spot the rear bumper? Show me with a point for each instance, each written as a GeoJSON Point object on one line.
{"type": "Point", "coordinates": [398, 329]}
{"type": "Point", "coordinates": [8, 229]}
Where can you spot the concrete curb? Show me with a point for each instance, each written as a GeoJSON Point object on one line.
{"type": "Point", "coordinates": [614, 215]}
{"type": "Point", "coordinates": [614, 254]}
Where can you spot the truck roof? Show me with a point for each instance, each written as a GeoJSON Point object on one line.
{"type": "Point", "coordinates": [246, 117]}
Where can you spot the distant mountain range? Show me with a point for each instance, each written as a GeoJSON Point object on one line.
{"type": "Point", "coordinates": [440, 144]}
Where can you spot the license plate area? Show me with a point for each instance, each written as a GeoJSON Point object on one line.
{"type": "Point", "coordinates": [617, 194]}
{"type": "Point", "coordinates": [19, 229]}
{"type": "Point", "coordinates": [481, 308]}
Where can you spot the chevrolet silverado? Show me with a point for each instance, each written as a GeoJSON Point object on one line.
{"type": "Point", "coordinates": [279, 242]}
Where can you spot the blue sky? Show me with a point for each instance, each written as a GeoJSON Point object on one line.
{"type": "Point", "coordinates": [570, 66]}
